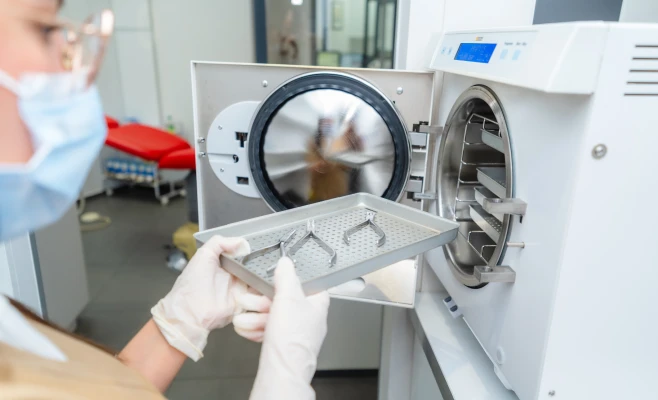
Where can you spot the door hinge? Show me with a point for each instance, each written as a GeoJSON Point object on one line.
{"type": "Point", "coordinates": [425, 196]}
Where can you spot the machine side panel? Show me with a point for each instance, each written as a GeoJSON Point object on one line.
{"type": "Point", "coordinates": [602, 339]}
{"type": "Point", "coordinates": [512, 320]}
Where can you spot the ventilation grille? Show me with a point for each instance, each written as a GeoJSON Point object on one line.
{"type": "Point", "coordinates": [643, 74]}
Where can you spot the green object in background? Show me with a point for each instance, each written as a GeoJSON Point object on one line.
{"type": "Point", "coordinates": [171, 128]}
{"type": "Point", "coordinates": [328, 59]}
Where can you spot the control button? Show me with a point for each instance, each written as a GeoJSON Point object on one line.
{"type": "Point", "coordinates": [503, 54]}
{"type": "Point", "coordinates": [443, 50]}
{"type": "Point", "coordinates": [450, 51]}
{"type": "Point", "coordinates": [516, 55]}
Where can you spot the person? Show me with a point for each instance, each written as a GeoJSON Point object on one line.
{"type": "Point", "coordinates": [53, 128]}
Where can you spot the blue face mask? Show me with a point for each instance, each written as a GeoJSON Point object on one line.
{"type": "Point", "coordinates": [66, 122]}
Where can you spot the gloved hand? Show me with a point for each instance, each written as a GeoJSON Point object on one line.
{"type": "Point", "coordinates": [293, 335]}
{"type": "Point", "coordinates": [202, 299]}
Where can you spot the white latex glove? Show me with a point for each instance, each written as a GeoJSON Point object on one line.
{"type": "Point", "coordinates": [293, 335]}
{"type": "Point", "coordinates": [202, 299]}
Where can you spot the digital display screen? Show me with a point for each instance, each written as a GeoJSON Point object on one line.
{"type": "Point", "coordinates": [475, 52]}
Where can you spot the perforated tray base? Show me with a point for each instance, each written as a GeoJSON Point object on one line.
{"type": "Point", "coordinates": [409, 232]}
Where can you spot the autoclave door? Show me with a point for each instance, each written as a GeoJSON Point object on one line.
{"type": "Point", "coordinates": [245, 152]}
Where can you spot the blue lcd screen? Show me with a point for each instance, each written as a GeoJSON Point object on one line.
{"type": "Point", "coordinates": [475, 52]}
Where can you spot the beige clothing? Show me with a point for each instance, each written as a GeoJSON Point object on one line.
{"type": "Point", "coordinates": [89, 373]}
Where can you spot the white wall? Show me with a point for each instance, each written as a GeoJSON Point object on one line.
{"type": "Point", "coordinates": [109, 79]}
{"type": "Point", "coordinates": [6, 283]}
{"type": "Point", "coordinates": [353, 27]}
{"type": "Point", "coordinates": [56, 264]}
{"type": "Point", "coordinates": [429, 18]}
{"type": "Point", "coordinates": [285, 19]}
{"type": "Point", "coordinates": [136, 50]}
{"type": "Point", "coordinates": [639, 11]}
{"type": "Point", "coordinates": [146, 71]}
{"type": "Point", "coordinates": [19, 270]}
{"type": "Point", "coordinates": [62, 268]}
{"type": "Point", "coordinates": [203, 30]}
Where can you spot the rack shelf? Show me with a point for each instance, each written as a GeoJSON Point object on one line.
{"type": "Point", "coordinates": [493, 140]}
{"type": "Point", "coordinates": [482, 193]}
{"type": "Point", "coordinates": [493, 178]}
{"type": "Point", "coordinates": [488, 223]}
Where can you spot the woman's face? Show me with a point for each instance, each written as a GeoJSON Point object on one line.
{"type": "Point", "coordinates": [25, 46]}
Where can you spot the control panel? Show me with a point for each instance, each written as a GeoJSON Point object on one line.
{"type": "Point", "coordinates": [559, 58]}
{"type": "Point", "coordinates": [483, 50]}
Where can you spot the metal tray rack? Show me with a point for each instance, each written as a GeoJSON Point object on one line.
{"type": "Point", "coordinates": [483, 230]}
{"type": "Point", "coordinates": [409, 232]}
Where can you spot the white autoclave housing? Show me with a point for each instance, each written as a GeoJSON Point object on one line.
{"type": "Point", "coordinates": [566, 107]}
{"type": "Point", "coordinates": [542, 159]}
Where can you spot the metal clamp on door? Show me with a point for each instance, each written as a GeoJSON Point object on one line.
{"type": "Point", "coordinates": [421, 138]}
{"type": "Point", "coordinates": [500, 274]}
{"type": "Point", "coordinates": [504, 206]}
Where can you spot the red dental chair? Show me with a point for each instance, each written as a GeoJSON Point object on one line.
{"type": "Point", "coordinates": [171, 156]}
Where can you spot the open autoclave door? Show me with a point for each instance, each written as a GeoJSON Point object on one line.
{"type": "Point", "coordinates": [271, 138]}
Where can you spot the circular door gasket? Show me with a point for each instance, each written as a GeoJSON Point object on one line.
{"type": "Point", "coordinates": [322, 81]}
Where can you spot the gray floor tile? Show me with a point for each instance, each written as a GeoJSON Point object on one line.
{"type": "Point", "coordinates": [113, 329]}
{"type": "Point", "coordinates": [227, 355]}
{"type": "Point", "coordinates": [97, 278]}
{"type": "Point", "coordinates": [106, 247]}
{"type": "Point", "coordinates": [358, 388]}
{"type": "Point", "coordinates": [149, 249]}
{"type": "Point", "coordinates": [239, 388]}
{"type": "Point", "coordinates": [204, 389]}
{"type": "Point", "coordinates": [133, 289]}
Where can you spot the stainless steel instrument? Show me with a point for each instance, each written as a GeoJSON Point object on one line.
{"type": "Point", "coordinates": [370, 221]}
{"type": "Point", "coordinates": [310, 234]}
{"type": "Point", "coordinates": [280, 245]}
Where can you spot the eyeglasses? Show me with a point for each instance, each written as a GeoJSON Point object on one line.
{"type": "Point", "coordinates": [82, 45]}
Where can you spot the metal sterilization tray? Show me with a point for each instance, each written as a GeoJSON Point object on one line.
{"type": "Point", "coordinates": [489, 224]}
{"type": "Point", "coordinates": [483, 193]}
{"type": "Point", "coordinates": [409, 232]}
{"type": "Point", "coordinates": [493, 178]}
{"type": "Point", "coordinates": [493, 140]}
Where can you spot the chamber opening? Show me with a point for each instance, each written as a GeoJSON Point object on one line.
{"type": "Point", "coordinates": [475, 167]}
{"type": "Point", "coordinates": [325, 135]}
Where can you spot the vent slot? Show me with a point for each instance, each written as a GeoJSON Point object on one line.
{"type": "Point", "coordinates": [642, 79]}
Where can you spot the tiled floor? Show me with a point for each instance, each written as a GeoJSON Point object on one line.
{"type": "Point", "coordinates": [127, 276]}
